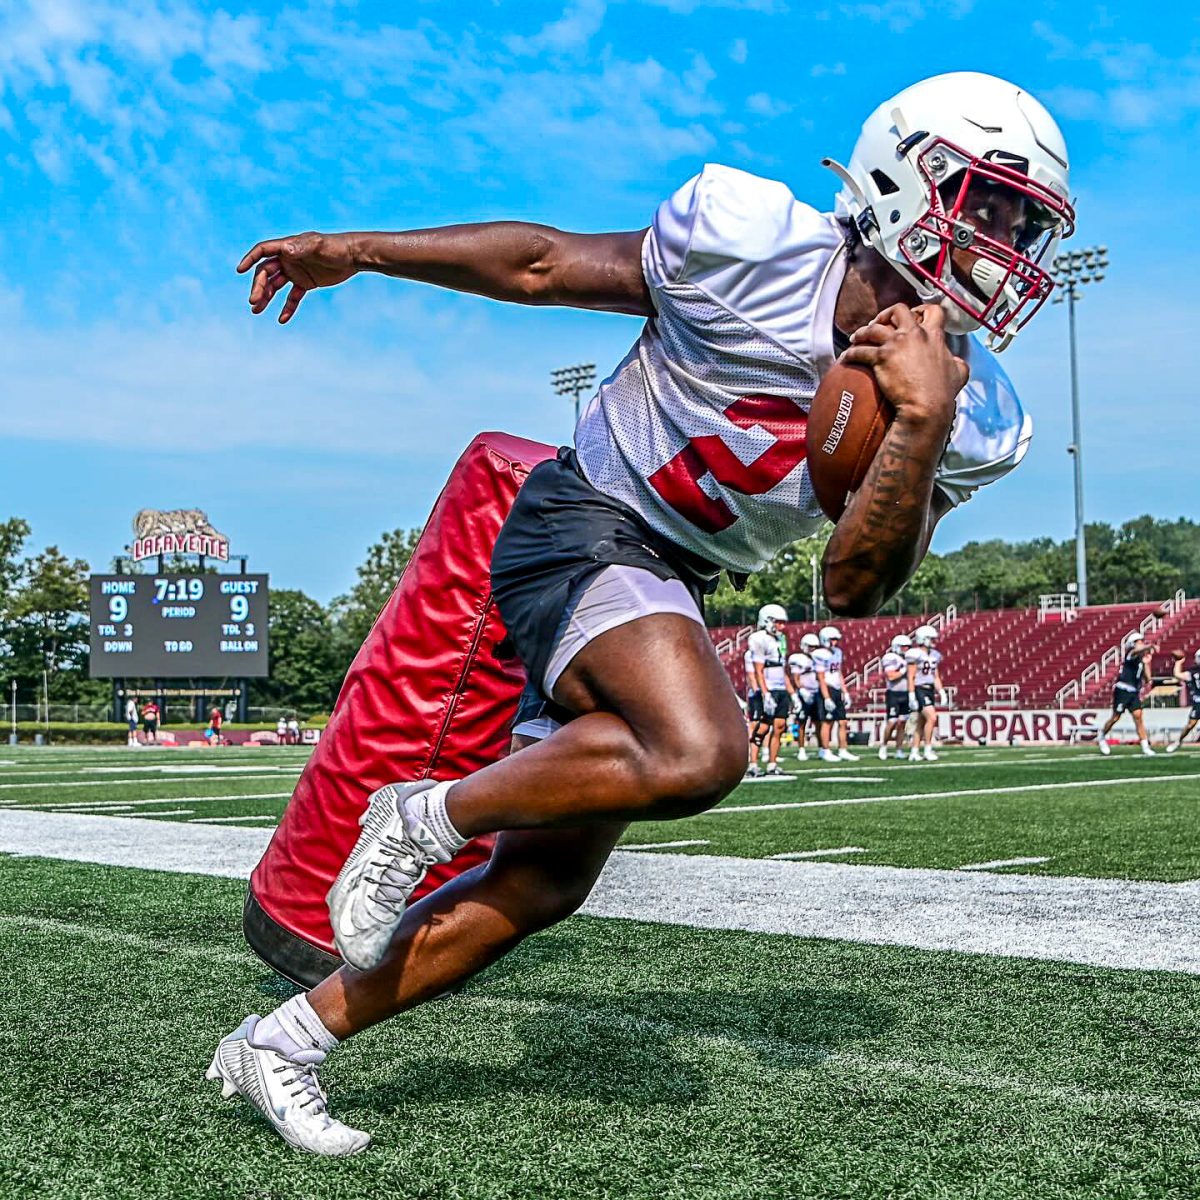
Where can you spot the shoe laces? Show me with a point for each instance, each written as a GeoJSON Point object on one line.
{"type": "Point", "coordinates": [398, 862]}
{"type": "Point", "coordinates": [302, 1081]}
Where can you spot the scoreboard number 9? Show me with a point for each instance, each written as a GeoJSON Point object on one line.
{"type": "Point", "coordinates": [239, 608]}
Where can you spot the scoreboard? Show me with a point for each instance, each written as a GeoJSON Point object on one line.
{"type": "Point", "coordinates": [178, 626]}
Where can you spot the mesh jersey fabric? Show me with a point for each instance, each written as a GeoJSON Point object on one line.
{"type": "Point", "coordinates": [701, 427]}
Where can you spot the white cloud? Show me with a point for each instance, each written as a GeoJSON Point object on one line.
{"type": "Point", "coordinates": [763, 105]}
{"type": "Point", "coordinates": [738, 50]}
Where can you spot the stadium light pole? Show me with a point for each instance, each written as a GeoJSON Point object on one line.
{"type": "Point", "coordinates": [574, 381]}
{"type": "Point", "coordinates": [1073, 270]}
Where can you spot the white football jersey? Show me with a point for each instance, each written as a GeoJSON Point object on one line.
{"type": "Point", "coordinates": [803, 674]}
{"type": "Point", "coordinates": [892, 661]}
{"type": "Point", "coordinates": [927, 664]}
{"type": "Point", "coordinates": [701, 427]}
{"type": "Point", "coordinates": [764, 648]}
{"type": "Point", "coordinates": [751, 682]}
{"type": "Point", "coordinates": [828, 662]}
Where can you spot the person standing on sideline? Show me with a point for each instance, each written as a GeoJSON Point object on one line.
{"type": "Point", "coordinates": [150, 722]}
{"type": "Point", "coordinates": [131, 718]}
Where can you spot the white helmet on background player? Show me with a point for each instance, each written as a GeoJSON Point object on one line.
{"type": "Point", "coordinates": [900, 643]}
{"type": "Point", "coordinates": [906, 186]}
{"type": "Point", "coordinates": [831, 633]}
{"type": "Point", "coordinates": [925, 635]}
{"type": "Point", "coordinates": [1132, 639]}
{"type": "Point", "coordinates": [810, 642]}
{"type": "Point", "coordinates": [771, 615]}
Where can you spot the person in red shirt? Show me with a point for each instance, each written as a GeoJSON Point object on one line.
{"type": "Point", "coordinates": [213, 732]}
{"type": "Point", "coordinates": [150, 722]}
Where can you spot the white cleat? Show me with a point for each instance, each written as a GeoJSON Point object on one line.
{"type": "Point", "coordinates": [1147, 751]}
{"type": "Point", "coordinates": [883, 752]}
{"type": "Point", "coordinates": [1172, 747]}
{"type": "Point", "coordinates": [774, 769]}
{"type": "Point", "coordinates": [914, 755]}
{"type": "Point", "coordinates": [828, 756]}
{"type": "Point", "coordinates": [1105, 748]}
{"type": "Point", "coordinates": [801, 755]}
{"type": "Point", "coordinates": [388, 862]}
{"type": "Point", "coordinates": [930, 754]}
{"type": "Point", "coordinates": [286, 1092]}
{"type": "Point", "coordinates": [846, 756]}
{"type": "Point", "coordinates": [754, 771]}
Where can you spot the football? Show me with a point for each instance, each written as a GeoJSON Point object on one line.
{"type": "Point", "coordinates": [846, 425]}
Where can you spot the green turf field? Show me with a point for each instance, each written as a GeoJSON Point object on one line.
{"type": "Point", "coordinates": [616, 1057]}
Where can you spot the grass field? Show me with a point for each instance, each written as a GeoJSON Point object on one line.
{"type": "Point", "coordinates": [621, 1057]}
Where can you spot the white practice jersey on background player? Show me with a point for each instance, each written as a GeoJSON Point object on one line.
{"type": "Point", "coordinates": [804, 675]}
{"type": "Point", "coordinates": [828, 662]}
{"type": "Point", "coordinates": [701, 427]}
{"type": "Point", "coordinates": [751, 680]}
{"type": "Point", "coordinates": [764, 648]}
{"type": "Point", "coordinates": [927, 664]}
{"type": "Point", "coordinates": [892, 661]}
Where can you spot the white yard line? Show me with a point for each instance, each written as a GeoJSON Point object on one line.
{"type": "Point", "coordinates": [216, 776]}
{"type": "Point", "coordinates": [1002, 862]}
{"type": "Point", "coordinates": [1001, 791]}
{"type": "Point", "coordinates": [1104, 922]}
{"type": "Point", "coordinates": [173, 812]}
{"type": "Point", "coordinates": [666, 845]}
{"type": "Point", "coordinates": [30, 806]}
{"type": "Point", "coordinates": [800, 855]}
{"type": "Point", "coordinates": [843, 778]}
{"type": "Point", "coordinates": [234, 820]}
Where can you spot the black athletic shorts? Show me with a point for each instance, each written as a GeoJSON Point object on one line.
{"type": "Point", "coordinates": [560, 534]}
{"type": "Point", "coordinates": [1194, 715]}
{"type": "Point", "coordinates": [926, 697]}
{"type": "Point", "coordinates": [809, 706]}
{"type": "Point", "coordinates": [897, 705]}
{"type": "Point", "coordinates": [1126, 700]}
{"type": "Point", "coordinates": [754, 707]}
{"type": "Point", "coordinates": [839, 705]}
{"type": "Point", "coordinates": [783, 704]}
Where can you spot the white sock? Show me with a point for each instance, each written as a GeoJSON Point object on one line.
{"type": "Point", "coordinates": [429, 806]}
{"type": "Point", "coordinates": [1146, 743]}
{"type": "Point", "coordinates": [294, 1027]}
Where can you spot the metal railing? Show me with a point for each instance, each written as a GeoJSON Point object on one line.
{"type": "Point", "coordinates": [1094, 672]}
{"type": "Point", "coordinates": [1002, 695]}
{"type": "Point", "coordinates": [1064, 604]}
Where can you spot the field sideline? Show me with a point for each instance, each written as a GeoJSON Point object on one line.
{"type": "Point", "coordinates": [726, 1022]}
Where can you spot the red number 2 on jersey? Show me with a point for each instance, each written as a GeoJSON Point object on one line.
{"type": "Point", "coordinates": [678, 481]}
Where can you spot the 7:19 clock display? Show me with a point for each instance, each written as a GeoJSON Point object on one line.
{"type": "Point", "coordinates": [178, 626]}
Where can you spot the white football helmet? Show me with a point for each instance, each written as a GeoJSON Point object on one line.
{"type": "Point", "coordinates": [1132, 639]}
{"type": "Point", "coordinates": [771, 615]}
{"type": "Point", "coordinates": [905, 191]}
{"type": "Point", "coordinates": [810, 641]}
{"type": "Point", "coordinates": [1196, 657]}
{"type": "Point", "coordinates": [925, 635]}
{"type": "Point", "coordinates": [831, 633]}
{"type": "Point", "coordinates": [900, 643]}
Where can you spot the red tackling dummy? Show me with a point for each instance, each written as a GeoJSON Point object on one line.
{"type": "Point", "coordinates": [425, 698]}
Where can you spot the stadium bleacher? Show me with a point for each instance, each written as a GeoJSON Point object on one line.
{"type": "Point", "coordinates": [1018, 658]}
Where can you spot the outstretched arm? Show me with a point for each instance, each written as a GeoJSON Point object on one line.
{"type": "Point", "coordinates": [504, 260]}
{"type": "Point", "coordinates": [885, 531]}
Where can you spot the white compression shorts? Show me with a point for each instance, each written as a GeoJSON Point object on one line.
{"type": "Point", "coordinates": [616, 596]}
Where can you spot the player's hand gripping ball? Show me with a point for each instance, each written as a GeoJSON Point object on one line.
{"type": "Point", "coordinates": [900, 361]}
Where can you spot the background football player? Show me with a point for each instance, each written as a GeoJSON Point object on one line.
{"type": "Point", "coordinates": [807, 696]}
{"type": "Point", "coordinates": [924, 690]}
{"type": "Point", "coordinates": [827, 663]}
{"type": "Point", "coordinates": [1127, 691]}
{"type": "Point", "coordinates": [771, 677]}
{"type": "Point", "coordinates": [1190, 677]}
{"type": "Point", "coordinates": [895, 672]}
{"type": "Point", "coordinates": [689, 460]}
{"type": "Point", "coordinates": [758, 726]}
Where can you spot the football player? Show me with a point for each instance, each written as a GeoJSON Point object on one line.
{"type": "Point", "coordinates": [924, 690]}
{"type": "Point", "coordinates": [827, 663]}
{"type": "Point", "coordinates": [1127, 691]}
{"type": "Point", "coordinates": [757, 724]}
{"type": "Point", "coordinates": [771, 678]}
{"type": "Point", "coordinates": [688, 460]}
{"type": "Point", "coordinates": [1190, 676]}
{"type": "Point", "coordinates": [895, 672]}
{"type": "Point", "coordinates": [804, 683]}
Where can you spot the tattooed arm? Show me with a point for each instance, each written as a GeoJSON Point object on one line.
{"type": "Point", "coordinates": [885, 531]}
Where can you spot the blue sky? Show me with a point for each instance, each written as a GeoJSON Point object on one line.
{"type": "Point", "coordinates": [146, 145]}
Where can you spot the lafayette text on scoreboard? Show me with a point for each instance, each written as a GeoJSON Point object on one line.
{"type": "Point", "coordinates": [178, 626]}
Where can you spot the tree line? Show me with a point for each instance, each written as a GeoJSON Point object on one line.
{"type": "Point", "coordinates": [44, 600]}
